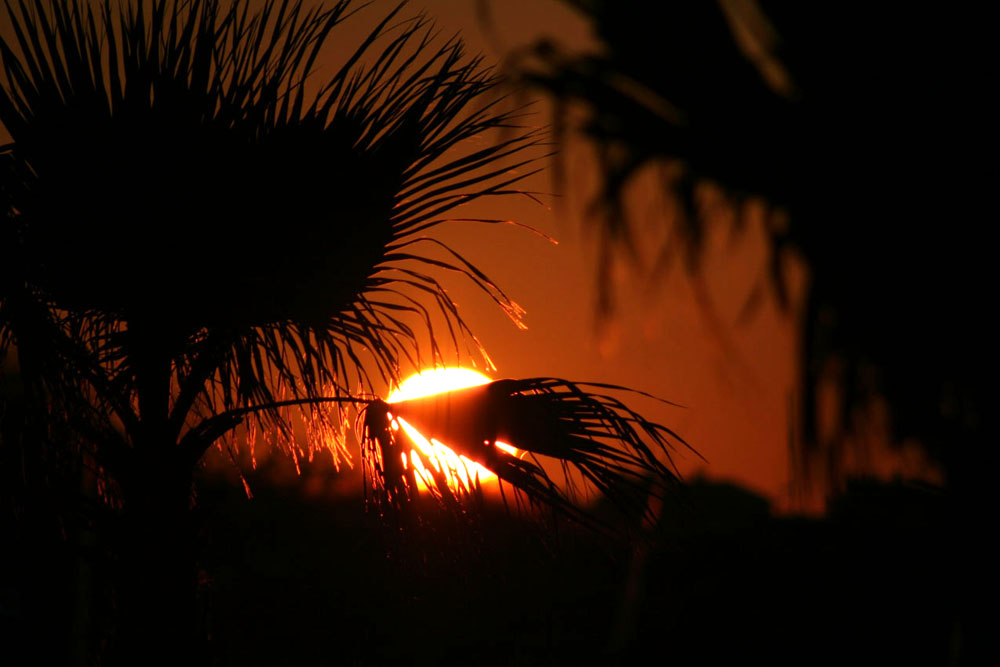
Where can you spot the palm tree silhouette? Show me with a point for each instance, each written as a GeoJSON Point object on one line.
{"type": "Point", "coordinates": [197, 235]}
{"type": "Point", "coordinates": [851, 124]}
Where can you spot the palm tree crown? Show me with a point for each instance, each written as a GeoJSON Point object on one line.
{"type": "Point", "coordinates": [185, 207]}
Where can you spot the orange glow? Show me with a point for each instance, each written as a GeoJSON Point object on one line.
{"type": "Point", "coordinates": [460, 471]}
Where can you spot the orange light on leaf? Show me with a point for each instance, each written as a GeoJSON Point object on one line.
{"type": "Point", "coordinates": [459, 470]}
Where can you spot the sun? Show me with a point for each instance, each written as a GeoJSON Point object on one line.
{"type": "Point", "coordinates": [460, 471]}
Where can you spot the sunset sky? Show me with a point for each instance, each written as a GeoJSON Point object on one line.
{"type": "Point", "coordinates": [677, 336]}
{"type": "Point", "coordinates": [736, 381]}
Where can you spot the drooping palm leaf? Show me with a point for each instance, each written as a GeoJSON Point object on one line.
{"type": "Point", "coordinates": [595, 438]}
{"type": "Point", "coordinates": [854, 124]}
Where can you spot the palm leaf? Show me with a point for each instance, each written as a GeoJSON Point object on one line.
{"type": "Point", "coordinates": [846, 134]}
{"type": "Point", "coordinates": [593, 436]}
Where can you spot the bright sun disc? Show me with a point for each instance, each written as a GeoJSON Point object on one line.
{"type": "Point", "coordinates": [460, 470]}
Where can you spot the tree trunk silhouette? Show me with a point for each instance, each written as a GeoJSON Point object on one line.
{"type": "Point", "coordinates": [156, 596]}
{"type": "Point", "coordinates": [157, 613]}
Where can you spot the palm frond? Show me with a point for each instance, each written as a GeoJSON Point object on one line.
{"type": "Point", "coordinates": [843, 132]}
{"type": "Point", "coordinates": [180, 174]}
{"type": "Point", "coordinates": [595, 438]}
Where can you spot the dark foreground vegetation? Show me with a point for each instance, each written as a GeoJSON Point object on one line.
{"type": "Point", "coordinates": [293, 579]}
